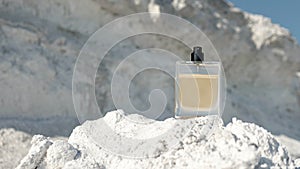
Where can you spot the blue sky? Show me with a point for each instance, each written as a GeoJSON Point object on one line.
{"type": "Point", "coordinates": [283, 12]}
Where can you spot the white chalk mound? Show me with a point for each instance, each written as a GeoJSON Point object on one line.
{"type": "Point", "coordinates": [203, 142]}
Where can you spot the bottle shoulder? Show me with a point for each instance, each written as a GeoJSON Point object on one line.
{"type": "Point", "coordinates": [198, 63]}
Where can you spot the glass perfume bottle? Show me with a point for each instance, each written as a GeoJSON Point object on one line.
{"type": "Point", "coordinates": [197, 88]}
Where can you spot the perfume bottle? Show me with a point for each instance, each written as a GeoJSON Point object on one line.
{"type": "Point", "coordinates": [197, 88]}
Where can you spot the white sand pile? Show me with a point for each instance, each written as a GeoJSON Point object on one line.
{"type": "Point", "coordinates": [238, 145]}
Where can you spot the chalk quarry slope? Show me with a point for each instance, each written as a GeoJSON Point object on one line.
{"type": "Point", "coordinates": [40, 42]}
{"type": "Point", "coordinates": [238, 145]}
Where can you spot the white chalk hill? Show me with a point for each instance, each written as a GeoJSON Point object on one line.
{"type": "Point", "coordinates": [237, 145]}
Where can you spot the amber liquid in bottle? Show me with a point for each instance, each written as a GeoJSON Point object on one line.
{"type": "Point", "coordinates": [198, 92]}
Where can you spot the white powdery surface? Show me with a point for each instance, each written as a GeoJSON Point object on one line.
{"type": "Point", "coordinates": [14, 145]}
{"type": "Point", "coordinates": [238, 145]}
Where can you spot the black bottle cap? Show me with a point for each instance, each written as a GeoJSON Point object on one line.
{"type": "Point", "coordinates": [197, 54]}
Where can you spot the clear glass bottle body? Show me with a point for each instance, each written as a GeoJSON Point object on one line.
{"type": "Point", "coordinates": [197, 89]}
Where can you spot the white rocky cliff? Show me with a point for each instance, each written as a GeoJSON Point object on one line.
{"type": "Point", "coordinates": [238, 145]}
{"type": "Point", "coordinates": [40, 42]}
